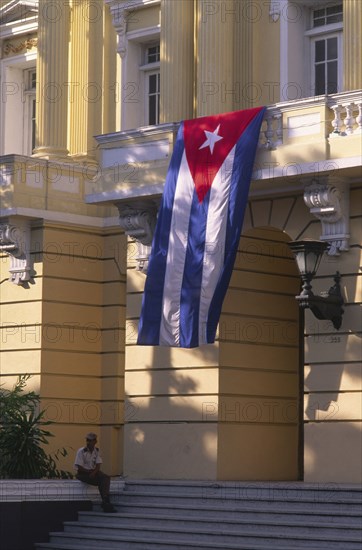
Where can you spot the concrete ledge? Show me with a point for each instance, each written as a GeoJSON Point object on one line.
{"type": "Point", "coordinates": [17, 490]}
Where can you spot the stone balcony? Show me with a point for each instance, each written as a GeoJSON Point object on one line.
{"type": "Point", "coordinates": [302, 142]}
{"type": "Point", "coordinates": [299, 140]}
{"type": "Point", "coordinates": [310, 146]}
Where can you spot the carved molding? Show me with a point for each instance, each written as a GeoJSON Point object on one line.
{"type": "Point", "coordinates": [14, 48]}
{"type": "Point", "coordinates": [15, 242]}
{"type": "Point", "coordinates": [330, 204]}
{"type": "Point", "coordinates": [139, 222]}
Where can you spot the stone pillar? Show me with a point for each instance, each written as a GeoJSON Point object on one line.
{"type": "Point", "coordinates": [177, 60]}
{"type": "Point", "coordinates": [215, 89]}
{"type": "Point", "coordinates": [242, 68]}
{"type": "Point", "coordinates": [352, 35]}
{"type": "Point", "coordinates": [52, 79]}
{"type": "Point", "coordinates": [88, 93]}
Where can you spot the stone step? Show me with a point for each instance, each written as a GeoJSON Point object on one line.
{"type": "Point", "coordinates": [254, 490]}
{"type": "Point", "coordinates": [224, 516]}
{"type": "Point", "coordinates": [169, 499]}
{"type": "Point", "coordinates": [193, 536]}
{"type": "Point", "coordinates": [144, 544]}
{"type": "Point", "coordinates": [198, 518]}
{"type": "Point", "coordinates": [243, 510]}
{"type": "Point", "coordinates": [200, 526]}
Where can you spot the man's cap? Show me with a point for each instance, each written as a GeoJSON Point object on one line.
{"type": "Point", "coordinates": [92, 436]}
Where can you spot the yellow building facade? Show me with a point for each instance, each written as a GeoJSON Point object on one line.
{"type": "Point", "coordinates": [92, 96]}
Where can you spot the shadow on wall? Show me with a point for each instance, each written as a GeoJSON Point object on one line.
{"type": "Point", "coordinates": [333, 452]}
{"type": "Point", "coordinates": [165, 434]}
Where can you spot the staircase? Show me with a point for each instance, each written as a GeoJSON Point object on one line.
{"type": "Point", "coordinates": [171, 515]}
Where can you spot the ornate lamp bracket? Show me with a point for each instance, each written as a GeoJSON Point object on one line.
{"type": "Point", "coordinates": [330, 204]}
{"type": "Point", "coordinates": [15, 242]}
{"type": "Point", "coordinates": [139, 221]}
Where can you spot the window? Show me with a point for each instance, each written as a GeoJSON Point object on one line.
{"type": "Point", "coordinates": [153, 81]}
{"type": "Point", "coordinates": [151, 70]}
{"type": "Point", "coordinates": [29, 110]}
{"type": "Point", "coordinates": [325, 37]}
{"type": "Point", "coordinates": [327, 15]}
{"type": "Point", "coordinates": [153, 54]}
{"type": "Point", "coordinates": [325, 52]}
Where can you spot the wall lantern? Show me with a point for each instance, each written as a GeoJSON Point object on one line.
{"type": "Point", "coordinates": [328, 305]}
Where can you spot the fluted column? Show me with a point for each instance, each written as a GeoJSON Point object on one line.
{"type": "Point", "coordinates": [243, 75]}
{"type": "Point", "coordinates": [52, 79]}
{"type": "Point", "coordinates": [216, 87]}
{"type": "Point", "coordinates": [177, 60]}
{"type": "Point", "coordinates": [352, 36]}
{"type": "Point", "coordinates": [93, 51]}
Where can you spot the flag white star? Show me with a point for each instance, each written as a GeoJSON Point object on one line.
{"type": "Point", "coordinates": [211, 139]}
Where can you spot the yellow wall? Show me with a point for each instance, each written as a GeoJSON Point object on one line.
{"type": "Point", "coordinates": [166, 435]}
{"type": "Point", "coordinates": [259, 418]}
{"type": "Point", "coordinates": [83, 335]}
{"type": "Point", "coordinates": [333, 371]}
{"type": "Point", "coordinates": [67, 330]}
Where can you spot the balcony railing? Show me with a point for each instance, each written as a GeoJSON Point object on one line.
{"type": "Point", "coordinates": [347, 109]}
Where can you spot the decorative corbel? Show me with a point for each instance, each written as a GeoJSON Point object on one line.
{"type": "Point", "coordinates": [274, 10]}
{"type": "Point", "coordinates": [139, 221]}
{"type": "Point", "coordinates": [15, 242]}
{"type": "Point", "coordinates": [330, 204]}
{"type": "Point", "coordinates": [119, 20]}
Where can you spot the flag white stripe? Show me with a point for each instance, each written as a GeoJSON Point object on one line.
{"type": "Point", "coordinates": [215, 239]}
{"type": "Point", "coordinates": [170, 320]}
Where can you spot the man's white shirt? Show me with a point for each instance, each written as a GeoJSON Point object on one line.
{"type": "Point", "coordinates": [88, 459]}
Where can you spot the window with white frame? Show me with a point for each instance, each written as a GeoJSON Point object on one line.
{"type": "Point", "coordinates": [151, 71]}
{"type": "Point", "coordinates": [29, 110]}
{"type": "Point", "coordinates": [326, 53]}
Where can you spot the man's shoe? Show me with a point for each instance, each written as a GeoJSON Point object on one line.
{"type": "Point", "coordinates": [108, 508]}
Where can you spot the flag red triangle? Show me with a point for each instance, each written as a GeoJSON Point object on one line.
{"type": "Point", "coordinates": [209, 140]}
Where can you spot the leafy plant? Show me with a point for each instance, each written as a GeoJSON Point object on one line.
{"type": "Point", "coordinates": [22, 436]}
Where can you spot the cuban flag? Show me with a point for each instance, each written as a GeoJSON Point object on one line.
{"type": "Point", "coordinates": [198, 229]}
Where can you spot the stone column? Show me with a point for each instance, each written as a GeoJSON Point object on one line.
{"type": "Point", "coordinates": [177, 60]}
{"type": "Point", "coordinates": [93, 51]}
{"type": "Point", "coordinates": [215, 87]}
{"type": "Point", "coordinates": [352, 35]}
{"type": "Point", "coordinates": [243, 74]}
{"type": "Point", "coordinates": [52, 79]}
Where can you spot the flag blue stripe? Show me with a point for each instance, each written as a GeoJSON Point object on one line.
{"type": "Point", "coordinates": [149, 325]}
{"type": "Point", "coordinates": [191, 284]}
{"type": "Point", "coordinates": [239, 190]}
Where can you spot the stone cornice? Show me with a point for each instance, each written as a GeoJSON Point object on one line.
{"type": "Point", "coordinates": [142, 132]}
{"type": "Point", "coordinates": [62, 218]}
{"type": "Point", "coordinates": [130, 5]}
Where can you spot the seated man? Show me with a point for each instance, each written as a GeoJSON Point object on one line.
{"type": "Point", "coordinates": [87, 462]}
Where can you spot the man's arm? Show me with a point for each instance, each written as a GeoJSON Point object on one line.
{"type": "Point", "coordinates": [94, 471]}
{"type": "Point", "coordinates": [82, 470]}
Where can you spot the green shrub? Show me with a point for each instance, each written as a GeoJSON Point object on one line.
{"type": "Point", "coordinates": [22, 436]}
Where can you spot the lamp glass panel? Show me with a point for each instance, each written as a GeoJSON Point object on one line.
{"type": "Point", "coordinates": [312, 259]}
{"type": "Point", "coordinates": [300, 257]}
